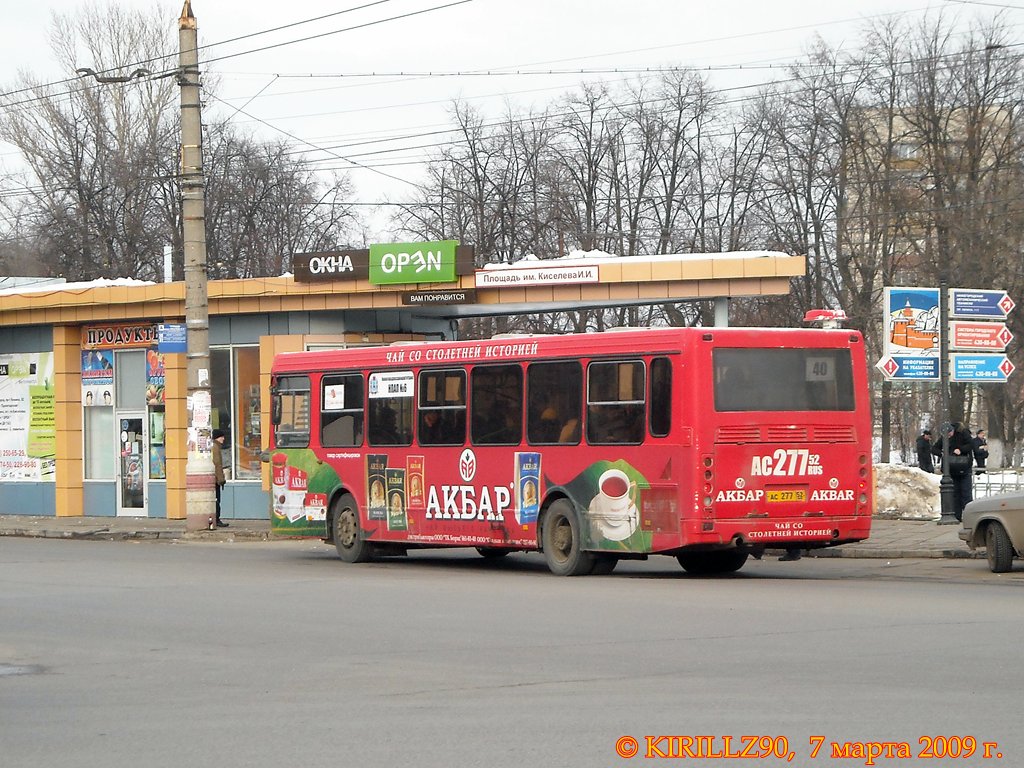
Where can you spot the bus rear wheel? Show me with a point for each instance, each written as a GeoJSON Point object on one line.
{"type": "Point", "coordinates": [561, 541]}
{"type": "Point", "coordinates": [708, 563]}
{"type": "Point", "coordinates": [348, 537]}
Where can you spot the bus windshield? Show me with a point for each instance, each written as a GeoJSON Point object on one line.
{"type": "Point", "coordinates": [783, 380]}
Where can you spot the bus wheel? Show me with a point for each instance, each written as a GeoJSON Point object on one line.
{"type": "Point", "coordinates": [998, 549]}
{"type": "Point", "coordinates": [706, 563]}
{"type": "Point", "coordinates": [348, 539]}
{"type": "Point", "coordinates": [492, 553]}
{"type": "Point", "coordinates": [560, 537]}
{"type": "Point", "coordinates": [604, 564]}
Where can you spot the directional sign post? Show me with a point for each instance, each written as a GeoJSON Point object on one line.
{"type": "Point", "coordinates": [979, 336]}
{"type": "Point", "coordinates": [982, 368]}
{"type": "Point", "coordinates": [980, 304]}
{"type": "Point", "coordinates": [904, 368]}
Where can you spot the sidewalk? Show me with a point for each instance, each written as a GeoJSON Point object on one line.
{"type": "Point", "coordinates": [127, 528]}
{"type": "Point", "coordinates": [889, 538]}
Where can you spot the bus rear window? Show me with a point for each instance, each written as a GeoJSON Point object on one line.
{"type": "Point", "coordinates": [783, 380]}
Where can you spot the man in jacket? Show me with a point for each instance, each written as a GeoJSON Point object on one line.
{"type": "Point", "coordinates": [980, 451]}
{"type": "Point", "coordinates": [961, 459]}
{"type": "Point", "coordinates": [924, 451]}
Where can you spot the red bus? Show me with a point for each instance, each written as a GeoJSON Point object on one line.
{"type": "Point", "coordinates": [706, 444]}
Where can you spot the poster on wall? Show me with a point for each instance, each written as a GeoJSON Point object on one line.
{"type": "Point", "coordinates": [28, 431]}
{"type": "Point", "coordinates": [97, 377]}
{"type": "Point", "coordinates": [154, 377]}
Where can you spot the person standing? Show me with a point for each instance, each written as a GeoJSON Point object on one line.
{"type": "Point", "coordinates": [924, 452]}
{"type": "Point", "coordinates": [980, 451]}
{"type": "Point", "coordinates": [961, 459]}
{"type": "Point", "coordinates": [218, 469]}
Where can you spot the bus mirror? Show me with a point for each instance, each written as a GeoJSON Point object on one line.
{"type": "Point", "coordinates": [275, 409]}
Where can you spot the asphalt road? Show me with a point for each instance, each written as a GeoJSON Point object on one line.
{"type": "Point", "coordinates": [181, 654]}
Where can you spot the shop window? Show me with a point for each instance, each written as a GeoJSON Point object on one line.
{"type": "Point", "coordinates": [100, 448]}
{"type": "Point", "coordinates": [246, 438]}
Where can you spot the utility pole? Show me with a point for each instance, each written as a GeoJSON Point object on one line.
{"type": "Point", "coordinates": [199, 474]}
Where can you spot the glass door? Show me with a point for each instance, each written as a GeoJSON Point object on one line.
{"type": "Point", "coordinates": [133, 452]}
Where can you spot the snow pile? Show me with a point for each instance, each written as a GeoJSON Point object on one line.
{"type": "Point", "coordinates": [906, 493]}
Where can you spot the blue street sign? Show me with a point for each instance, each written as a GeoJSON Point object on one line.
{"type": "Point", "coordinates": [967, 302]}
{"type": "Point", "coordinates": [171, 338]}
{"type": "Point", "coordinates": [991, 368]}
{"type": "Point", "coordinates": [907, 368]}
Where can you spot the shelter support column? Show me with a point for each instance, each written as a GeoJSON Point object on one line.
{"type": "Point", "coordinates": [176, 433]}
{"type": "Point", "coordinates": [67, 390]}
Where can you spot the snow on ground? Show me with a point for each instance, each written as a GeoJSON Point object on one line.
{"type": "Point", "coordinates": [906, 493]}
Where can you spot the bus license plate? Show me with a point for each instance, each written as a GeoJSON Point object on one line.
{"type": "Point", "coordinates": [786, 494]}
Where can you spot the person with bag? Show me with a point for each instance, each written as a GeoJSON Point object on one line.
{"type": "Point", "coordinates": [961, 460]}
{"type": "Point", "coordinates": [924, 452]}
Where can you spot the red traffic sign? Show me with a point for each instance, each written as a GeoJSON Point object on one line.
{"type": "Point", "coordinates": [975, 335]}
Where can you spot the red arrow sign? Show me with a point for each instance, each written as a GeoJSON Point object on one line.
{"type": "Point", "coordinates": [979, 335]}
{"type": "Point", "coordinates": [1006, 303]}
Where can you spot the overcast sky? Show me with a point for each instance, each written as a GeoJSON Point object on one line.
{"type": "Point", "coordinates": [284, 92]}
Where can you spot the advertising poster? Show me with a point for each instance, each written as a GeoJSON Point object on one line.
{"type": "Point", "coordinates": [397, 520]}
{"type": "Point", "coordinates": [912, 321]}
{"type": "Point", "coordinates": [28, 432]}
{"type": "Point", "coordinates": [154, 377]}
{"type": "Point", "coordinates": [527, 487]}
{"type": "Point", "coordinates": [414, 465]}
{"type": "Point", "coordinates": [376, 501]}
{"type": "Point", "coordinates": [97, 377]}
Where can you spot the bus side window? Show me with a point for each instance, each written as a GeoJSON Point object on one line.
{"type": "Point", "coordinates": [292, 429]}
{"type": "Point", "coordinates": [442, 408]}
{"type": "Point", "coordinates": [615, 403]}
{"type": "Point", "coordinates": [555, 399]}
{"type": "Point", "coordinates": [341, 410]}
{"type": "Point", "coordinates": [660, 399]}
{"type": "Point", "coordinates": [496, 417]}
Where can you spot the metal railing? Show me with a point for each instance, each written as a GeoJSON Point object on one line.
{"type": "Point", "coordinates": [995, 481]}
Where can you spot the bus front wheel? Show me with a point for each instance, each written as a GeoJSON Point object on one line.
{"type": "Point", "coordinates": [348, 538]}
{"type": "Point", "coordinates": [708, 563]}
{"type": "Point", "coordinates": [561, 541]}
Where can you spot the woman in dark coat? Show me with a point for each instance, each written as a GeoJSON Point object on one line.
{"type": "Point", "coordinates": [961, 460]}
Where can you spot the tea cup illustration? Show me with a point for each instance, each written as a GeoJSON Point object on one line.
{"type": "Point", "coordinates": [613, 509]}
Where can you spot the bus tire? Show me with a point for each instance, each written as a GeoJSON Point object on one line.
{"type": "Point", "coordinates": [709, 563]}
{"type": "Point", "coordinates": [562, 543]}
{"type": "Point", "coordinates": [492, 553]}
{"type": "Point", "coordinates": [998, 549]}
{"type": "Point", "coordinates": [348, 536]}
{"type": "Point", "coordinates": [604, 564]}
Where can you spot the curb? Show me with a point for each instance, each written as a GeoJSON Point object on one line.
{"type": "Point", "coordinates": [898, 554]}
{"type": "Point", "coordinates": [104, 534]}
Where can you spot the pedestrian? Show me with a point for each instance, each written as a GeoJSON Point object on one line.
{"type": "Point", "coordinates": [961, 459]}
{"type": "Point", "coordinates": [924, 452]}
{"type": "Point", "coordinates": [980, 451]}
{"type": "Point", "coordinates": [218, 470]}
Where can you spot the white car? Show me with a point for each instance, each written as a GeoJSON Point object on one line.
{"type": "Point", "coordinates": [996, 523]}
